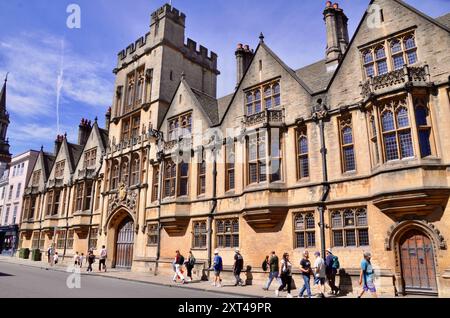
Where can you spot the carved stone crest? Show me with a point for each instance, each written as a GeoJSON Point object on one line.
{"type": "Point", "coordinates": [124, 197]}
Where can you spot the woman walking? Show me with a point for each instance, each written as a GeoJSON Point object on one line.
{"type": "Point", "coordinates": [286, 276]}
{"type": "Point", "coordinates": [190, 263]}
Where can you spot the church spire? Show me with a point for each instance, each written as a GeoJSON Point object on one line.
{"type": "Point", "coordinates": [3, 97]}
{"type": "Point", "coordinates": [5, 156]}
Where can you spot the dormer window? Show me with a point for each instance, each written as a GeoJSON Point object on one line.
{"type": "Point", "coordinates": [59, 169]}
{"type": "Point", "coordinates": [36, 177]}
{"type": "Point", "coordinates": [399, 50]}
{"type": "Point", "coordinates": [180, 126]}
{"type": "Point", "coordinates": [90, 157]}
{"type": "Point", "coordinates": [264, 97]}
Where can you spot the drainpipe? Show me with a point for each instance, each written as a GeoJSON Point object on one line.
{"type": "Point", "coordinates": [67, 222]}
{"type": "Point", "coordinates": [213, 208]}
{"type": "Point", "coordinates": [160, 158]}
{"type": "Point", "coordinates": [320, 116]}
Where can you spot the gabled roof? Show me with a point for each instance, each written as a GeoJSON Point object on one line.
{"type": "Point", "coordinates": [227, 100]}
{"type": "Point", "coordinates": [48, 160]}
{"type": "Point", "coordinates": [284, 65]}
{"type": "Point", "coordinates": [423, 15]}
{"type": "Point", "coordinates": [75, 152]}
{"type": "Point", "coordinates": [222, 104]}
{"type": "Point", "coordinates": [444, 20]}
{"type": "Point", "coordinates": [209, 105]}
{"type": "Point", "coordinates": [104, 136]}
{"type": "Point", "coordinates": [407, 6]}
{"type": "Point", "coordinates": [315, 76]}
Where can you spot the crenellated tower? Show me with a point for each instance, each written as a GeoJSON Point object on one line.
{"type": "Point", "coordinates": [148, 70]}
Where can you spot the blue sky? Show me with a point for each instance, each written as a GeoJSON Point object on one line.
{"type": "Point", "coordinates": [33, 35]}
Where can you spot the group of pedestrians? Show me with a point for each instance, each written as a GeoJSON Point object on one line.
{"type": "Point", "coordinates": [178, 264]}
{"type": "Point", "coordinates": [320, 269]}
{"type": "Point", "coordinates": [79, 260]}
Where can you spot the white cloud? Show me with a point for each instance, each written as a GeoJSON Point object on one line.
{"type": "Point", "coordinates": [34, 61]}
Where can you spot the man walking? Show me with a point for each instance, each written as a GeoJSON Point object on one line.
{"type": "Point", "coordinates": [319, 274]}
{"type": "Point", "coordinates": [217, 267]}
{"type": "Point", "coordinates": [305, 268]}
{"type": "Point", "coordinates": [103, 256]}
{"type": "Point", "coordinates": [237, 267]}
{"type": "Point", "coordinates": [366, 276]}
{"type": "Point", "coordinates": [332, 266]}
{"type": "Point", "coordinates": [274, 270]}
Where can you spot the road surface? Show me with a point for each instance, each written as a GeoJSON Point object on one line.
{"type": "Point", "coordinates": [24, 281]}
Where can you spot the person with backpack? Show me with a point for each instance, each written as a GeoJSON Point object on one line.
{"type": "Point", "coordinates": [366, 276]}
{"type": "Point", "coordinates": [238, 267]}
{"type": "Point", "coordinates": [273, 265]}
{"type": "Point", "coordinates": [178, 263]}
{"type": "Point", "coordinates": [305, 268]}
{"type": "Point", "coordinates": [217, 267]}
{"type": "Point", "coordinates": [265, 264]}
{"type": "Point", "coordinates": [331, 267]}
{"type": "Point", "coordinates": [103, 256]}
{"type": "Point", "coordinates": [286, 276]}
{"type": "Point", "coordinates": [190, 263]}
{"type": "Point", "coordinates": [90, 260]}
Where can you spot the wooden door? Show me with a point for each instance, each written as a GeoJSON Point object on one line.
{"type": "Point", "coordinates": [125, 244]}
{"type": "Point", "coordinates": [417, 261]}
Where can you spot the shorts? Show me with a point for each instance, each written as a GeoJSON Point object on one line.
{"type": "Point", "coordinates": [369, 286]}
{"type": "Point", "coordinates": [216, 273]}
{"type": "Point", "coordinates": [319, 280]}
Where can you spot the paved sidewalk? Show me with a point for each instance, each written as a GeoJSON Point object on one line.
{"type": "Point", "coordinates": [228, 288]}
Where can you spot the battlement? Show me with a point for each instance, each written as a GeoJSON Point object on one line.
{"type": "Point", "coordinates": [131, 49]}
{"type": "Point", "coordinates": [170, 12]}
{"type": "Point", "coordinates": [201, 55]}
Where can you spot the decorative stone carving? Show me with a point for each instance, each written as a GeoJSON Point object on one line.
{"type": "Point", "coordinates": [407, 76]}
{"type": "Point", "coordinates": [124, 197]}
{"type": "Point", "coordinates": [430, 228]}
{"type": "Point", "coordinates": [273, 116]}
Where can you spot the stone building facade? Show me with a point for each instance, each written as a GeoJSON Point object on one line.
{"type": "Point", "coordinates": [350, 152]}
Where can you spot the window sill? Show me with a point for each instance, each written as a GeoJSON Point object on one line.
{"type": "Point", "coordinates": [199, 249]}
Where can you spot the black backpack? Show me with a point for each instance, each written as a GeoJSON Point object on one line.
{"type": "Point", "coordinates": [181, 261]}
{"type": "Point", "coordinates": [264, 265]}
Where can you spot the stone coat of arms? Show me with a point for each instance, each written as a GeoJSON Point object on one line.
{"type": "Point", "coordinates": [124, 197]}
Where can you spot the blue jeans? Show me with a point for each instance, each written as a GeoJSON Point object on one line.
{"type": "Point", "coordinates": [306, 286]}
{"type": "Point", "coordinates": [272, 275]}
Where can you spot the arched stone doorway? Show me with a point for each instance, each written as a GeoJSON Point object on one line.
{"type": "Point", "coordinates": [417, 262]}
{"type": "Point", "coordinates": [125, 244]}
{"type": "Point", "coordinates": [120, 228]}
{"type": "Point", "coordinates": [416, 245]}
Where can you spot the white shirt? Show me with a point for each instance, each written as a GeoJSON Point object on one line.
{"type": "Point", "coordinates": [319, 265]}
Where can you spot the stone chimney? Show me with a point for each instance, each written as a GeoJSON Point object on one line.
{"type": "Point", "coordinates": [83, 131]}
{"type": "Point", "coordinates": [58, 142]}
{"type": "Point", "coordinates": [337, 34]}
{"type": "Point", "coordinates": [107, 118]}
{"type": "Point", "coordinates": [244, 57]}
